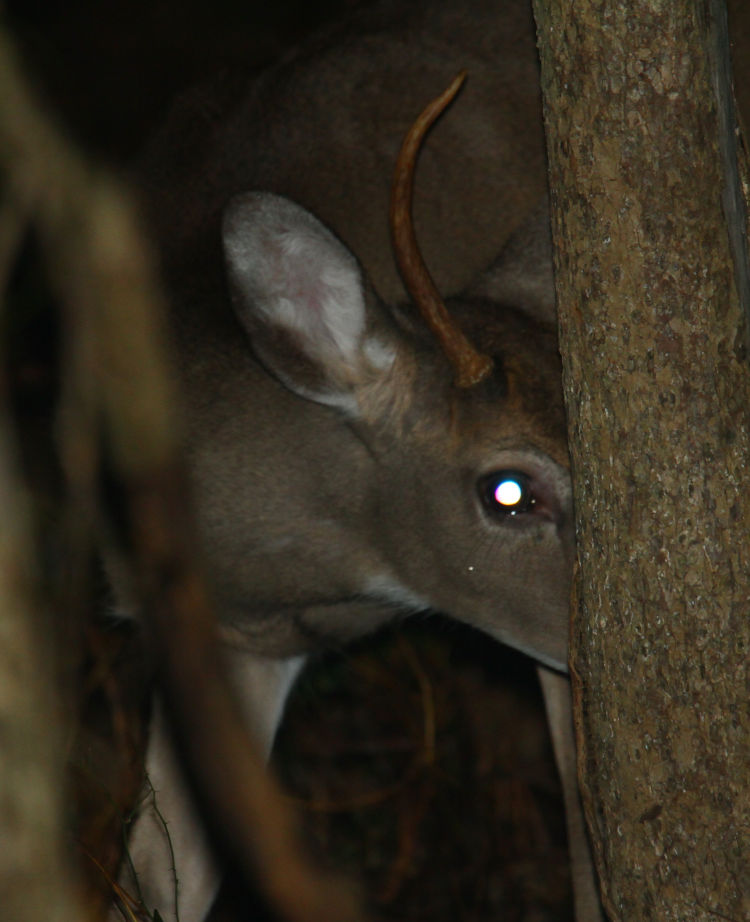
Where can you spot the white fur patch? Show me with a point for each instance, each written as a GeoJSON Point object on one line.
{"type": "Point", "coordinates": [379, 354]}
{"type": "Point", "coordinates": [390, 590]}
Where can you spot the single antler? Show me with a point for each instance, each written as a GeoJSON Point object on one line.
{"type": "Point", "coordinates": [470, 366]}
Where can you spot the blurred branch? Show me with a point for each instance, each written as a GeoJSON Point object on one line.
{"type": "Point", "coordinates": [117, 393]}
{"type": "Point", "coordinates": [36, 880]}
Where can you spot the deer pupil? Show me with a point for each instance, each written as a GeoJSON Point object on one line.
{"type": "Point", "coordinates": [508, 492]}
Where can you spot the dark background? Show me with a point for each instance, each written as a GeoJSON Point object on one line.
{"type": "Point", "coordinates": [111, 68]}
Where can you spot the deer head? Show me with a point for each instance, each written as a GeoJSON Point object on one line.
{"type": "Point", "coordinates": [347, 476]}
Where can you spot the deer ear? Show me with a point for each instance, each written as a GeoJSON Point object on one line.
{"type": "Point", "coordinates": [522, 275]}
{"type": "Point", "coordinates": [300, 295]}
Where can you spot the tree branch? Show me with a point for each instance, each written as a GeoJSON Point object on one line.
{"type": "Point", "coordinates": [118, 391]}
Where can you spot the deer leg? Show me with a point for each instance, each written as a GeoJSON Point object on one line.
{"type": "Point", "coordinates": [169, 864]}
{"type": "Point", "coordinates": [559, 706]}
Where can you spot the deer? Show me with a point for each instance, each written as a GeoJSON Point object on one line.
{"type": "Point", "coordinates": [365, 440]}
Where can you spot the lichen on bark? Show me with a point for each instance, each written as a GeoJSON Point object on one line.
{"type": "Point", "coordinates": [654, 348]}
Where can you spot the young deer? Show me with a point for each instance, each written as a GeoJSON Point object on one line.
{"type": "Point", "coordinates": [346, 467]}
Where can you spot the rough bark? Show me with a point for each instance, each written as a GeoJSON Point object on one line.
{"type": "Point", "coordinates": [651, 263]}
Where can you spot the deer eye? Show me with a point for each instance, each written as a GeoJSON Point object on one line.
{"type": "Point", "coordinates": [506, 493]}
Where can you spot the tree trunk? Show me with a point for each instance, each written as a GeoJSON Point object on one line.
{"type": "Point", "coordinates": [651, 261]}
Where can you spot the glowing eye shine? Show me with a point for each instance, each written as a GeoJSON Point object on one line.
{"type": "Point", "coordinates": [508, 493]}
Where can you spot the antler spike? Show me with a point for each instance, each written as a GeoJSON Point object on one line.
{"type": "Point", "coordinates": [470, 366]}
